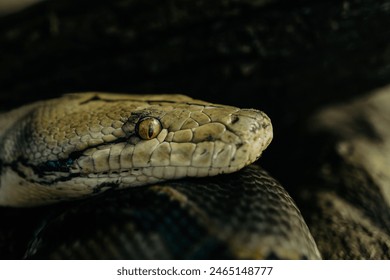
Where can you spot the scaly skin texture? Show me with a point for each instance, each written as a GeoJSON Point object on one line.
{"type": "Point", "coordinates": [82, 144]}
{"type": "Point", "coordinates": [245, 215]}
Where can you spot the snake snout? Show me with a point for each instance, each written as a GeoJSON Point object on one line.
{"type": "Point", "coordinates": [254, 128]}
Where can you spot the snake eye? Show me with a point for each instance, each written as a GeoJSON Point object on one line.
{"type": "Point", "coordinates": [148, 128]}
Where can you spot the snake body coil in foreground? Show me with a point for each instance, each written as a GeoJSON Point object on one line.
{"type": "Point", "coordinates": [83, 144]}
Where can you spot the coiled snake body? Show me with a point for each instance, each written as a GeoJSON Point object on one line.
{"type": "Point", "coordinates": [83, 144]}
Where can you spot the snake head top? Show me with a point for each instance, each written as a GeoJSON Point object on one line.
{"type": "Point", "coordinates": [82, 144]}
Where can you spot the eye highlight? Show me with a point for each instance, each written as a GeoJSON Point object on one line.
{"type": "Point", "coordinates": [148, 128]}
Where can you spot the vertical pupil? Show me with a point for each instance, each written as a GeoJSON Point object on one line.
{"type": "Point", "coordinates": [150, 130]}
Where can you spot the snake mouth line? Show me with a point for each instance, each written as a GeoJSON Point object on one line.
{"type": "Point", "coordinates": [62, 170]}
{"type": "Point", "coordinates": [161, 172]}
{"type": "Point", "coordinates": [132, 176]}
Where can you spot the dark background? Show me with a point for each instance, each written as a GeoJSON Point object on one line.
{"type": "Point", "coordinates": [287, 58]}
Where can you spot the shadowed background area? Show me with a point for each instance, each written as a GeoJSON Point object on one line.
{"type": "Point", "coordinates": [286, 58]}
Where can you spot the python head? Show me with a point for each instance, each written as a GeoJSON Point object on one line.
{"type": "Point", "coordinates": [82, 144]}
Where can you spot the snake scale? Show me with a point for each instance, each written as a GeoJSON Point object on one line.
{"type": "Point", "coordinates": [155, 171]}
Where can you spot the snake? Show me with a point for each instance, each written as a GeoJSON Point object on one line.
{"type": "Point", "coordinates": [164, 167]}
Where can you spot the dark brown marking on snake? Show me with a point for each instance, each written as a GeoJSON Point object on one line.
{"type": "Point", "coordinates": [16, 167]}
{"type": "Point", "coordinates": [235, 119]}
{"type": "Point", "coordinates": [95, 97]}
{"type": "Point", "coordinates": [98, 189]}
{"type": "Point", "coordinates": [99, 98]}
